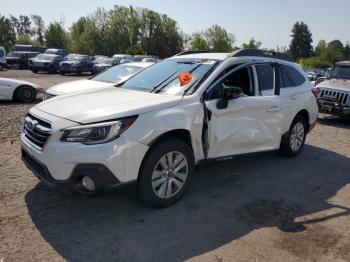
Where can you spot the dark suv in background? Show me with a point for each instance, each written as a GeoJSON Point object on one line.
{"type": "Point", "coordinates": [76, 64]}
{"type": "Point", "coordinates": [46, 62]}
{"type": "Point", "coordinates": [19, 59]}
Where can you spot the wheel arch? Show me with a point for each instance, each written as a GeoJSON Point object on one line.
{"type": "Point", "coordinates": [305, 114]}
{"type": "Point", "coordinates": [182, 134]}
{"type": "Point", "coordinates": [18, 87]}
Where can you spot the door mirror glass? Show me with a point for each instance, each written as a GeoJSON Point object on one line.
{"type": "Point", "coordinates": [229, 93]}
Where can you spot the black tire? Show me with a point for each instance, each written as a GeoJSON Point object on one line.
{"type": "Point", "coordinates": [78, 72]}
{"type": "Point", "coordinates": [35, 71]}
{"type": "Point", "coordinates": [146, 193]}
{"type": "Point", "coordinates": [286, 148]}
{"type": "Point", "coordinates": [62, 73]}
{"type": "Point", "coordinates": [25, 94]}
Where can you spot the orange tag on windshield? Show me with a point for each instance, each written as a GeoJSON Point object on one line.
{"type": "Point", "coordinates": [185, 78]}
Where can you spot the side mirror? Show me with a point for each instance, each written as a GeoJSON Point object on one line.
{"type": "Point", "coordinates": [229, 93]}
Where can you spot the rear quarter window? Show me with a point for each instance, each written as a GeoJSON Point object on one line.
{"type": "Point", "coordinates": [296, 77]}
{"type": "Point", "coordinates": [1, 53]}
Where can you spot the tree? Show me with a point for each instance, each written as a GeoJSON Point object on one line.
{"type": "Point", "coordinates": [56, 36]}
{"type": "Point", "coordinates": [325, 54]}
{"type": "Point", "coordinates": [7, 33]}
{"type": "Point", "coordinates": [252, 43]}
{"type": "Point", "coordinates": [38, 28]}
{"type": "Point", "coordinates": [198, 42]}
{"type": "Point", "coordinates": [301, 43]}
{"type": "Point", "coordinates": [218, 39]}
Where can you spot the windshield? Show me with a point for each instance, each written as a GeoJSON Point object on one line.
{"type": "Point", "coordinates": [342, 72]}
{"type": "Point", "coordinates": [14, 54]}
{"type": "Point", "coordinates": [71, 57]}
{"type": "Point", "coordinates": [117, 74]}
{"type": "Point", "coordinates": [45, 57]}
{"type": "Point", "coordinates": [107, 61]}
{"type": "Point", "coordinates": [166, 76]}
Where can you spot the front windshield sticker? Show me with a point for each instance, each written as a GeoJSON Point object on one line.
{"type": "Point", "coordinates": [185, 78]}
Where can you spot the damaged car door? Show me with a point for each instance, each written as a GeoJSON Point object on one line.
{"type": "Point", "coordinates": [240, 119]}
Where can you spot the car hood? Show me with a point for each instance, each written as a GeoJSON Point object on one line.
{"type": "Point", "coordinates": [339, 84]}
{"type": "Point", "coordinates": [108, 103]}
{"type": "Point", "coordinates": [77, 86]}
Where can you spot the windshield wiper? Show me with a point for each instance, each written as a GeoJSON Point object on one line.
{"type": "Point", "coordinates": [155, 88]}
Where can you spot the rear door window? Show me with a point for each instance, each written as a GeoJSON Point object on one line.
{"type": "Point", "coordinates": [266, 78]}
{"type": "Point", "coordinates": [1, 53]}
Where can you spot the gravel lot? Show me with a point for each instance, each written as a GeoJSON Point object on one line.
{"type": "Point", "coordinates": [254, 208]}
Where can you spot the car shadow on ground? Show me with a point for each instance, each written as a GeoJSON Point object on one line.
{"type": "Point", "coordinates": [38, 100]}
{"type": "Point", "coordinates": [227, 200]}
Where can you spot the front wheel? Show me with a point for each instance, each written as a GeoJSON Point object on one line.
{"type": "Point", "coordinates": [25, 94]}
{"type": "Point", "coordinates": [165, 173]}
{"type": "Point", "coordinates": [292, 143]}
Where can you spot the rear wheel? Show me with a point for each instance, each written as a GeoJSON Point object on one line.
{"type": "Point", "coordinates": [25, 94]}
{"type": "Point", "coordinates": [293, 142]}
{"type": "Point", "coordinates": [35, 71]}
{"type": "Point", "coordinates": [62, 73]}
{"type": "Point", "coordinates": [165, 173]}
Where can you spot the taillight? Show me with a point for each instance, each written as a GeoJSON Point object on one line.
{"type": "Point", "coordinates": [314, 91]}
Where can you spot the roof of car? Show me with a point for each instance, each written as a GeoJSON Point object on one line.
{"type": "Point", "coordinates": [139, 64]}
{"type": "Point", "coordinates": [345, 63]}
{"type": "Point", "coordinates": [216, 56]}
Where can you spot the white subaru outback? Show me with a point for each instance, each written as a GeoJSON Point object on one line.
{"type": "Point", "coordinates": [165, 120]}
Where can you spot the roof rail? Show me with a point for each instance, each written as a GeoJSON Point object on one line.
{"type": "Point", "coordinates": [261, 53]}
{"type": "Point", "coordinates": [191, 52]}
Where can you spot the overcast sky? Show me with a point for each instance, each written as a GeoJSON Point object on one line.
{"type": "Point", "coordinates": [269, 21]}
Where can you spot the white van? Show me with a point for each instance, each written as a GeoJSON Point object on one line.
{"type": "Point", "coordinates": [3, 61]}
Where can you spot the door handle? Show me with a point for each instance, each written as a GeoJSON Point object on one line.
{"type": "Point", "coordinates": [293, 97]}
{"type": "Point", "coordinates": [273, 109]}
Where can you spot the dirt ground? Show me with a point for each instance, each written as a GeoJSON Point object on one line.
{"type": "Point", "coordinates": [251, 208]}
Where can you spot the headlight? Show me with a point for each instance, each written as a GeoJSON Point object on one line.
{"type": "Point", "coordinates": [97, 133]}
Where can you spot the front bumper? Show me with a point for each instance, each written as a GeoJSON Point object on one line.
{"type": "Point", "coordinates": [100, 174]}
{"type": "Point", "coordinates": [40, 68]}
{"type": "Point", "coordinates": [334, 108]}
{"type": "Point", "coordinates": [60, 160]}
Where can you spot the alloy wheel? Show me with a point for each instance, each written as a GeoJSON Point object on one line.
{"type": "Point", "coordinates": [297, 137]}
{"type": "Point", "coordinates": [169, 174]}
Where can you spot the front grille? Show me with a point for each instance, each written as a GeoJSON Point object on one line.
{"type": "Point", "coordinates": [36, 130]}
{"type": "Point", "coordinates": [48, 96]}
{"type": "Point", "coordinates": [341, 96]}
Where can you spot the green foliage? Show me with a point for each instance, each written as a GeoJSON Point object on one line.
{"type": "Point", "coordinates": [126, 30]}
{"type": "Point", "coordinates": [301, 44]}
{"type": "Point", "coordinates": [198, 42]}
{"type": "Point", "coordinates": [24, 39]}
{"type": "Point", "coordinates": [325, 55]}
{"type": "Point", "coordinates": [38, 29]}
{"type": "Point", "coordinates": [56, 36]}
{"type": "Point", "coordinates": [252, 43]}
{"type": "Point", "coordinates": [214, 39]}
{"type": "Point", "coordinates": [219, 40]}
{"type": "Point", "coordinates": [7, 33]}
